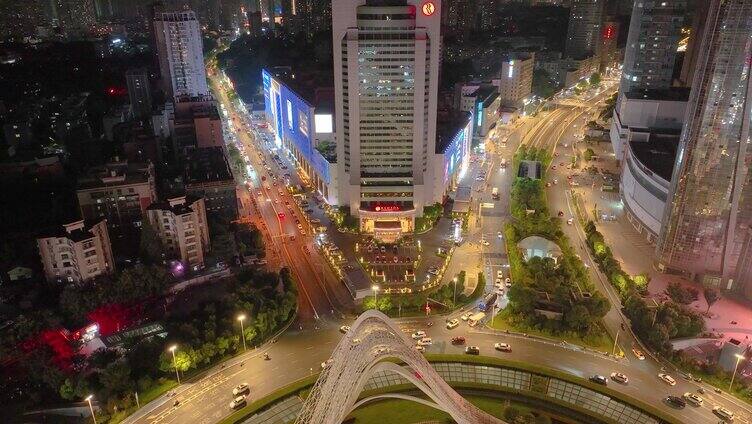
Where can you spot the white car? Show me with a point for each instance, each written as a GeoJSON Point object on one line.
{"type": "Point", "coordinates": [418, 335]}
{"type": "Point", "coordinates": [466, 316]}
{"type": "Point", "coordinates": [498, 284]}
{"type": "Point", "coordinates": [425, 341]}
{"type": "Point", "coordinates": [499, 274]}
{"type": "Point", "coordinates": [619, 378]}
{"type": "Point", "coordinates": [420, 348]}
{"type": "Point", "coordinates": [326, 363]}
{"type": "Point", "coordinates": [724, 413]}
{"type": "Point", "coordinates": [693, 399]}
{"type": "Point", "coordinates": [667, 379]}
{"type": "Point", "coordinates": [344, 329]}
{"type": "Point", "coordinates": [503, 347]}
{"type": "Point", "coordinates": [238, 402]}
{"type": "Point", "coordinates": [240, 389]}
{"type": "Point", "coordinates": [638, 354]}
{"type": "Point", "coordinates": [485, 242]}
{"type": "Point", "coordinates": [452, 324]}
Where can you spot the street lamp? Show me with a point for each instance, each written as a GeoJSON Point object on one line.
{"type": "Point", "coordinates": [375, 289]}
{"type": "Point", "coordinates": [91, 408]}
{"type": "Point", "coordinates": [174, 361]}
{"type": "Point", "coordinates": [241, 318]}
{"type": "Point", "coordinates": [738, 359]}
{"type": "Point", "coordinates": [455, 290]}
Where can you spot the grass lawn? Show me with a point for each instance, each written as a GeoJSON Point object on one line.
{"type": "Point", "coordinates": [156, 391]}
{"type": "Point", "coordinates": [399, 411]}
{"type": "Point", "coordinates": [601, 342]}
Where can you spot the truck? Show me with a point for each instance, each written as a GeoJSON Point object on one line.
{"type": "Point", "coordinates": [475, 319]}
{"type": "Point", "coordinates": [495, 193]}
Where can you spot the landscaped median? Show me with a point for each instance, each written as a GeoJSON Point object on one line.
{"type": "Point", "coordinates": [545, 391]}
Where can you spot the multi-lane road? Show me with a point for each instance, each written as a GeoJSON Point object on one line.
{"type": "Point", "coordinates": [300, 350]}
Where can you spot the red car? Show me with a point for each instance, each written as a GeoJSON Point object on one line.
{"type": "Point", "coordinates": [458, 340]}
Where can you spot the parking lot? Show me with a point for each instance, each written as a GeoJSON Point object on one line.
{"type": "Point", "coordinates": [395, 263]}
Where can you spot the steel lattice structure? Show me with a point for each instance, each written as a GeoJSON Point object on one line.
{"type": "Point", "coordinates": [373, 338]}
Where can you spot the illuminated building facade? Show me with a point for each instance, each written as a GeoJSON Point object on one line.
{"type": "Point", "coordinates": [386, 74]}
{"type": "Point", "coordinates": [707, 227]}
{"type": "Point", "coordinates": [180, 52]}
{"type": "Point", "coordinates": [300, 114]}
{"type": "Point", "coordinates": [654, 32]}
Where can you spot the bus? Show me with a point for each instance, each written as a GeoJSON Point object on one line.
{"type": "Point", "coordinates": [475, 319]}
{"type": "Point", "coordinates": [487, 302]}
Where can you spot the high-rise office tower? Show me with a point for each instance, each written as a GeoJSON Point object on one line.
{"type": "Point", "coordinates": [608, 52]}
{"type": "Point", "coordinates": [584, 30]}
{"type": "Point", "coordinates": [693, 46]}
{"type": "Point", "coordinates": [708, 220]}
{"type": "Point", "coordinates": [386, 70]}
{"type": "Point", "coordinates": [139, 91]}
{"type": "Point", "coordinates": [654, 33]}
{"type": "Point", "coordinates": [180, 53]}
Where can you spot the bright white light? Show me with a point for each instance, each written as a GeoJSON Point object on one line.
{"type": "Point", "coordinates": [324, 123]}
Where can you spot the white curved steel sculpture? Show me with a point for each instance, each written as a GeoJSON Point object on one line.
{"type": "Point", "coordinates": [372, 338]}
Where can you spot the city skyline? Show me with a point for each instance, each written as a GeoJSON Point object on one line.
{"type": "Point", "coordinates": [292, 210]}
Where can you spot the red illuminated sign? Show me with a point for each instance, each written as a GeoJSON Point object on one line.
{"type": "Point", "coordinates": [608, 32]}
{"type": "Point", "coordinates": [428, 8]}
{"type": "Point", "coordinates": [387, 208]}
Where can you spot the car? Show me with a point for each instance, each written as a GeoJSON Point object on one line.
{"type": "Point", "coordinates": [599, 379]}
{"type": "Point", "coordinates": [300, 226]}
{"type": "Point", "coordinates": [499, 274]}
{"type": "Point", "coordinates": [560, 213]}
{"type": "Point", "coordinates": [453, 323]}
{"type": "Point", "coordinates": [638, 353]}
{"type": "Point", "coordinates": [498, 284]}
{"type": "Point", "coordinates": [502, 347]}
{"type": "Point", "coordinates": [553, 167]}
{"type": "Point", "coordinates": [499, 234]}
{"type": "Point", "coordinates": [458, 340]}
{"type": "Point", "coordinates": [237, 402]}
{"type": "Point", "coordinates": [724, 413]}
{"type": "Point", "coordinates": [418, 335]}
{"type": "Point", "coordinates": [472, 350]}
{"type": "Point", "coordinates": [508, 282]}
{"type": "Point", "coordinates": [485, 242]}
{"type": "Point", "coordinates": [466, 316]}
{"type": "Point", "coordinates": [675, 401]}
{"type": "Point", "coordinates": [693, 399]}
{"type": "Point", "coordinates": [667, 379]}
{"type": "Point", "coordinates": [281, 215]}
{"type": "Point", "coordinates": [619, 378]}
{"type": "Point", "coordinates": [241, 389]}
{"type": "Point", "coordinates": [420, 348]}
{"type": "Point", "coordinates": [344, 329]}
{"type": "Point", "coordinates": [425, 341]}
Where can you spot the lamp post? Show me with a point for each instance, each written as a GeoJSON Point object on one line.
{"type": "Point", "coordinates": [174, 361]}
{"type": "Point", "coordinates": [455, 290]}
{"type": "Point", "coordinates": [241, 318]}
{"type": "Point", "coordinates": [91, 408]}
{"type": "Point", "coordinates": [738, 359]}
{"type": "Point", "coordinates": [375, 289]}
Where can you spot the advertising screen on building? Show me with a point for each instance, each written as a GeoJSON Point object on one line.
{"type": "Point", "coordinates": [289, 117]}
{"type": "Point", "coordinates": [324, 123]}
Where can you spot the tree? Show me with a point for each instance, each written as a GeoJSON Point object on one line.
{"type": "Point", "coordinates": [588, 155]}
{"type": "Point", "coordinates": [681, 294]}
{"type": "Point", "coordinates": [543, 86]}
{"type": "Point", "coordinates": [151, 248]}
{"type": "Point", "coordinates": [578, 318]}
{"type": "Point", "coordinates": [711, 296]}
{"type": "Point", "coordinates": [67, 391]}
{"type": "Point", "coordinates": [116, 379]}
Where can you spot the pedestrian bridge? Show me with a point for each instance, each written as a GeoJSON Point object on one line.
{"type": "Point", "coordinates": [362, 353]}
